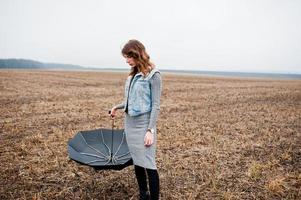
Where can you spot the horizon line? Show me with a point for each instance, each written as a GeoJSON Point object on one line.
{"type": "Point", "coordinates": [177, 68]}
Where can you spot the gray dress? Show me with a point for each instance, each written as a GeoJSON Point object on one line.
{"type": "Point", "coordinates": [136, 128]}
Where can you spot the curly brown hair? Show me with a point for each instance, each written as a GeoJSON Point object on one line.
{"type": "Point", "coordinates": [135, 49]}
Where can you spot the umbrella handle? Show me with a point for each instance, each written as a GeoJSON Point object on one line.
{"type": "Point", "coordinates": [113, 120]}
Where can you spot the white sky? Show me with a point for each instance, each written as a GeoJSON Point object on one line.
{"type": "Point", "coordinates": [223, 35]}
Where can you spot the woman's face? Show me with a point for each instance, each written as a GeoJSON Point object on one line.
{"type": "Point", "coordinates": [130, 61]}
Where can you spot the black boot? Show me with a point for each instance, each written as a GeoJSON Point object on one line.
{"type": "Point", "coordinates": [142, 183]}
{"type": "Point", "coordinates": [144, 195]}
{"type": "Point", "coordinates": [153, 179]}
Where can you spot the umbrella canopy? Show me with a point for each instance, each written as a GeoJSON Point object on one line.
{"type": "Point", "coordinates": [100, 149]}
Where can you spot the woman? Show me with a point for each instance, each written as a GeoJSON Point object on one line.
{"type": "Point", "coordinates": [141, 106]}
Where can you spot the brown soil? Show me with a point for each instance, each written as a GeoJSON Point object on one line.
{"type": "Point", "coordinates": [218, 138]}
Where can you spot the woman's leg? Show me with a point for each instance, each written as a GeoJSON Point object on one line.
{"type": "Point", "coordinates": [154, 187]}
{"type": "Point", "coordinates": [141, 179]}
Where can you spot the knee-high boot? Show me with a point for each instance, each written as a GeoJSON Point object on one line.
{"type": "Point", "coordinates": [142, 183]}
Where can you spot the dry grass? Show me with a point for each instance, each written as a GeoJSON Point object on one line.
{"type": "Point", "coordinates": [219, 138]}
{"type": "Point", "coordinates": [276, 186]}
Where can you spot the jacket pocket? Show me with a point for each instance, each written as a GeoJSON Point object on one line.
{"type": "Point", "coordinates": [143, 95]}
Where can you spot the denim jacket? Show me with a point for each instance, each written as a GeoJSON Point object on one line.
{"type": "Point", "coordinates": [138, 99]}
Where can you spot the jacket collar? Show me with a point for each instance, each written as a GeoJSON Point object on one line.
{"type": "Point", "coordinates": [149, 75]}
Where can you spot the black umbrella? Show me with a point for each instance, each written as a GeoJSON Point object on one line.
{"type": "Point", "coordinates": [100, 149]}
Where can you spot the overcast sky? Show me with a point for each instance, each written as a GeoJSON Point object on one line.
{"type": "Point", "coordinates": [222, 35]}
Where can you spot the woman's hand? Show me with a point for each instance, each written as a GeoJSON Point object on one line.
{"type": "Point", "coordinates": [113, 113]}
{"type": "Point", "coordinates": [148, 139]}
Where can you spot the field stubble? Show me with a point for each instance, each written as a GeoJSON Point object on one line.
{"type": "Point", "coordinates": [218, 138]}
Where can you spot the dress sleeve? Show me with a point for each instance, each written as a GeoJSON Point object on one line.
{"type": "Point", "coordinates": [120, 106]}
{"type": "Point", "coordinates": [156, 88]}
